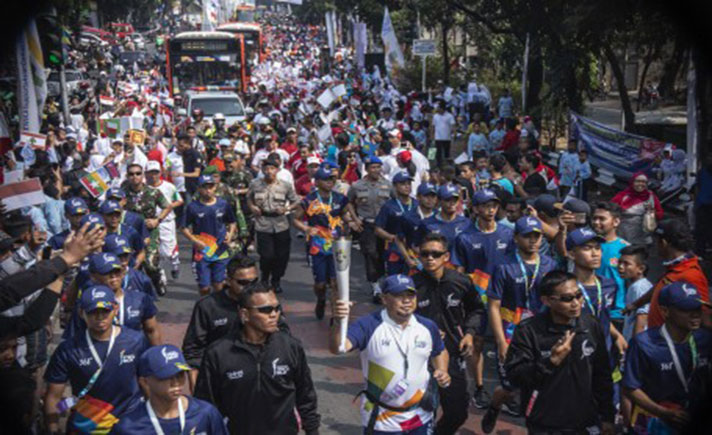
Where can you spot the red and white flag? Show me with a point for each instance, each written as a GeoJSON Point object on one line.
{"type": "Point", "coordinates": [22, 194]}
{"type": "Point", "coordinates": [106, 100]}
{"type": "Point", "coordinates": [35, 140]}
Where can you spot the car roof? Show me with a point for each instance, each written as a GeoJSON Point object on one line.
{"type": "Point", "coordinates": [198, 95]}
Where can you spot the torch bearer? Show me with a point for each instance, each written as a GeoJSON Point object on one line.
{"type": "Point", "coordinates": [342, 258]}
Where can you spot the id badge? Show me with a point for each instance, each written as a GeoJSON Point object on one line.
{"type": "Point", "coordinates": [397, 391]}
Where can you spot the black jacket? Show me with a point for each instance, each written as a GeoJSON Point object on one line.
{"type": "Point", "coordinates": [576, 394]}
{"type": "Point", "coordinates": [21, 284]}
{"type": "Point", "coordinates": [452, 303]}
{"type": "Point", "coordinates": [213, 318]}
{"type": "Point", "coordinates": [259, 389]}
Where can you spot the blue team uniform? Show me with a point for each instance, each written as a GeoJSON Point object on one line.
{"type": "Point", "coordinates": [209, 224]}
{"type": "Point", "coordinates": [200, 417]}
{"type": "Point", "coordinates": [324, 214]}
{"type": "Point", "coordinates": [449, 229]}
{"type": "Point", "coordinates": [389, 219]}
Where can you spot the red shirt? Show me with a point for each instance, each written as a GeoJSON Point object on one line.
{"type": "Point", "coordinates": [510, 139]}
{"type": "Point", "coordinates": [290, 148]}
{"type": "Point", "coordinates": [304, 185]}
{"type": "Point", "coordinates": [689, 270]}
{"type": "Point", "coordinates": [298, 165]}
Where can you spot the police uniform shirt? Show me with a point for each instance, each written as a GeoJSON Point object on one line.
{"type": "Point", "coordinates": [268, 198]}
{"type": "Point", "coordinates": [208, 223]}
{"type": "Point", "coordinates": [479, 253]}
{"type": "Point", "coordinates": [116, 389]}
{"type": "Point", "coordinates": [518, 294]}
{"type": "Point", "coordinates": [649, 364]}
{"type": "Point", "coordinates": [369, 196]}
{"type": "Point", "coordinates": [200, 417]}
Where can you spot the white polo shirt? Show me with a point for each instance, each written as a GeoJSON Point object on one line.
{"type": "Point", "coordinates": [387, 351]}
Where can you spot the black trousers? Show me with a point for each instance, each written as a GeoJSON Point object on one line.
{"type": "Point", "coordinates": [372, 249]}
{"type": "Point", "coordinates": [454, 401]}
{"type": "Point", "coordinates": [443, 151]}
{"type": "Point", "coordinates": [273, 249]}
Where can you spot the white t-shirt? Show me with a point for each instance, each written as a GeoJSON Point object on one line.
{"type": "Point", "coordinates": [170, 192]}
{"type": "Point", "coordinates": [263, 153]}
{"type": "Point", "coordinates": [443, 125]}
{"type": "Point", "coordinates": [174, 165]}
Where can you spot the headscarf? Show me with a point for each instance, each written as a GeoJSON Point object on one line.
{"type": "Point", "coordinates": [629, 197]}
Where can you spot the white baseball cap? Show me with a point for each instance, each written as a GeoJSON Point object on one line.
{"type": "Point", "coordinates": [153, 165]}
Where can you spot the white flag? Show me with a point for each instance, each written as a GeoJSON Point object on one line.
{"type": "Point", "coordinates": [393, 53]}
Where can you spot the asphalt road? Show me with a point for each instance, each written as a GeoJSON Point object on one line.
{"type": "Point", "coordinates": [337, 378]}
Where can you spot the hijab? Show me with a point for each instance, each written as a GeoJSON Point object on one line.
{"type": "Point", "coordinates": [629, 197]}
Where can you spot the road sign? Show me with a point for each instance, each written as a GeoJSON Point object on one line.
{"type": "Point", "coordinates": [424, 47]}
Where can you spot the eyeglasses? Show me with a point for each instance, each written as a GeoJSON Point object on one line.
{"type": "Point", "coordinates": [432, 254]}
{"type": "Point", "coordinates": [269, 309]}
{"type": "Point", "coordinates": [246, 282]}
{"type": "Point", "coordinates": [568, 298]}
{"type": "Point", "coordinates": [135, 174]}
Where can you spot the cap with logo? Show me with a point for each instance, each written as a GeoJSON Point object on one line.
{"type": "Point", "coordinates": [395, 284]}
{"type": "Point", "coordinates": [323, 174]}
{"type": "Point", "coordinates": [117, 244]}
{"type": "Point", "coordinates": [115, 193]}
{"type": "Point", "coordinates": [92, 219]}
{"type": "Point", "coordinates": [104, 263]}
{"type": "Point", "coordinates": [402, 177]}
{"type": "Point", "coordinates": [97, 297]}
{"type": "Point", "coordinates": [681, 295]}
{"type": "Point", "coordinates": [448, 191]}
{"type": "Point", "coordinates": [484, 196]}
{"type": "Point", "coordinates": [205, 179]}
{"type": "Point", "coordinates": [162, 362]}
{"type": "Point", "coordinates": [153, 166]}
{"type": "Point", "coordinates": [75, 206]}
{"type": "Point", "coordinates": [110, 206]}
{"type": "Point", "coordinates": [527, 225]}
{"type": "Point", "coordinates": [313, 160]}
{"type": "Point", "coordinates": [581, 236]}
{"type": "Point", "coordinates": [427, 189]}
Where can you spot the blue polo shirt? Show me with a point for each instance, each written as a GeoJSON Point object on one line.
{"type": "Point", "coordinates": [135, 221]}
{"type": "Point", "coordinates": [608, 292]}
{"type": "Point", "coordinates": [56, 242]}
{"type": "Point", "coordinates": [410, 227]}
{"type": "Point", "coordinates": [324, 214]}
{"type": "Point", "coordinates": [610, 254]}
{"type": "Point", "coordinates": [115, 391]}
{"type": "Point", "coordinates": [649, 365]}
{"type": "Point", "coordinates": [209, 224]}
{"type": "Point", "coordinates": [389, 219]}
{"type": "Point", "coordinates": [135, 239]}
{"type": "Point", "coordinates": [449, 229]}
{"type": "Point", "coordinates": [479, 253]}
{"type": "Point", "coordinates": [509, 286]}
{"type": "Point", "coordinates": [200, 417]}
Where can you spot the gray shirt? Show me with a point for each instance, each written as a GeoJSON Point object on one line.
{"type": "Point", "coordinates": [368, 196]}
{"type": "Point", "coordinates": [269, 198]}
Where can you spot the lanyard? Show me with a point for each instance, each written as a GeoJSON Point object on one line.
{"type": "Point", "coordinates": [477, 225]}
{"type": "Point", "coordinates": [403, 209]}
{"type": "Point", "coordinates": [676, 359]}
{"type": "Point", "coordinates": [154, 420]}
{"type": "Point", "coordinates": [599, 302]}
{"type": "Point", "coordinates": [528, 285]}
{"type": "Point", "coordinates": [120, 320]}
{"type": "Point", "coordinates": [404, 353]}
{"type": "Point", "coordinates": [95, 355]}
{"type": "Point", "coordinates": [422, 216]}
{"type": "Point", "coordinates": [331, 197]}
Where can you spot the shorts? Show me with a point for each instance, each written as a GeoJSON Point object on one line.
{"type": "Point", "coordinates": [168, 246]}
{"type": "Point", "coordinates": [210, 272]}
{"type": "Point", "coordinates": [323, 267]}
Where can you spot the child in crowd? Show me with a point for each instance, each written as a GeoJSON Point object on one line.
{"type": "Point", "coordinates": [632, 267]}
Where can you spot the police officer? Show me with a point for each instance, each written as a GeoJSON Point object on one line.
{"type": "Point", "coordinates": [366, 197]}
{"type": "Point", "coordinates": [270, 200]}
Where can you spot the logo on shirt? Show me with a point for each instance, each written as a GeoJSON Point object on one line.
{"type": "Point", "coordinates": [126, 358]}
{"type": "Point", "coordinates": [97, 294]}
{"type": "Point", "coordinates": [219, 214]}
{"type": "Point", "coordinates": [84, 362]}
{"type": "Point", "coordinates": [689, 291]}
{"type": "Point", "coordinates": [235, 374]}
{"type": "Point", "coordinates": [519, 280]}
{"type": "Point", "coordinates": [477, 246]}
{"type": "Point", "coordinates": [200, 215]}
{"type": "Point", "coordinates": [279, 369]}
{"type": "Point", "coordinates": [666, 366]}
{"type": "Point", "coordinates": [458, 231]}
{"type": "Point", "coordinates": [131, 312]}
{"type": "Point", "coordinates": [452, 301]}
{"type": "Point", "coordinates": [423, 304]}
{"type": "Point", "coordinates": [169, 355]}
{"type": "Point", "coordinates": [220, 322]}
{"type": "Point", "coordinates": [501, 245]}
{"type": "Point", "coordinates": [385, 342]}
{"type": "Point", "coordinates": [420, 344]}
{"type": "Point", "coordinates": [586, 350]}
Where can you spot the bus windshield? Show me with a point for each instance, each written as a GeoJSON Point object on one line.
{"type": "Point", "coordinates": [246, 16]}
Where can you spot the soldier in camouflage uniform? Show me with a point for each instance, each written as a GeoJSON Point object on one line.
{"type": "Point", "coordinates": [146, 201]}
{"type": "Point", "coordinates": [229, 194]}
{"type": "Point", "coordinates": [239, 178]}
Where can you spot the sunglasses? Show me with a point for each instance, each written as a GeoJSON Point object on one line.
{"type": "Point", "coordinates": [135, 174]}
{"type": "Point", "coordinates": [246, 282]}
{"type": "Point", "coordinates": [269, 309]}
{"type": "Point", "coordinates": [568, 298]}
{"type": "Point", "coordinates": [432, 254]}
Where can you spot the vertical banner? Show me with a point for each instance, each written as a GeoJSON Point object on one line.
{"type": "Point", "coordinates": [361, 41]}
{"type": "Point", "coordinates": [391, 49]}
{"type": "Point", "coordinates": [330, 32]}
{"type": "Point", "coordinates": [29, 112]}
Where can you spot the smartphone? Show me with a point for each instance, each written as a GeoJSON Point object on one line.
{"type": "Point", "coordinates": [46, 252]}
{"type": "Point", "coordinates": [580, 218]}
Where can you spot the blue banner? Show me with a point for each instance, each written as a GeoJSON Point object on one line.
{"type": "Point", "coordinates": [619, 152]}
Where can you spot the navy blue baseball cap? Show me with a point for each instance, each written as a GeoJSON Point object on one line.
{"type": "Point", "coordinates": [373, 160]}
{"type": "Point", "coordinates": [681, 295]}
{"type": "Point", "coordinates": [162, 362]}
{"type": "Point", "coordinates": [117, 244]}
{"type": "Point", "coordinates": [92, 219]}
{"type": "Point", "coordinates": [104, 263]}
{"type": "Point", "coordinates": [581, 236]}
{"type": "Point", "coordinates": [323, 174]}
{"type": "Point", "coordinates": [448, 191]}
{"type": "Point", "coordinates": [484, 196]}
{"type": "Point", "coordinates": [96, 297]}
{"type": "Point", "coordinates": [205, 179]}
{"type": "Point", "coordinates": [395, 284]}
{"type": "Point", "coordinates": [109, 206]}
{"type": "Point", "coordinates": [427, 189]}
{"type": "Point", "coordinates": [402, 177]}
{"type": "Point", "coordinates": [115, 193]}
{"type": "Point", "coordinates": [75, 206]}
{"type": "Point", "coordinates": [527, 225]}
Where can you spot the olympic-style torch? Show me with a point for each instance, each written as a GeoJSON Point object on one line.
{"type": "Point", "coordinates": [342, 258]}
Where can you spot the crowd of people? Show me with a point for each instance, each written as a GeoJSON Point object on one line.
{"type": "Point", "coordinates": [490, 244]}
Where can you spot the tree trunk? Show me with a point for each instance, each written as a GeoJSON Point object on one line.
{"type": "Point", "coordinates": [628, 114]}
{"type": "Point", "coordinates": [671, 68]}
{"type": "Point", "coordinates": [446, 56]}
{"type": "Point", "coordinates": [535, 81]}
{"type": "Point", "coordinates": [704, 105]}
{"type": "Point", "coordinates": [643, 76]}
